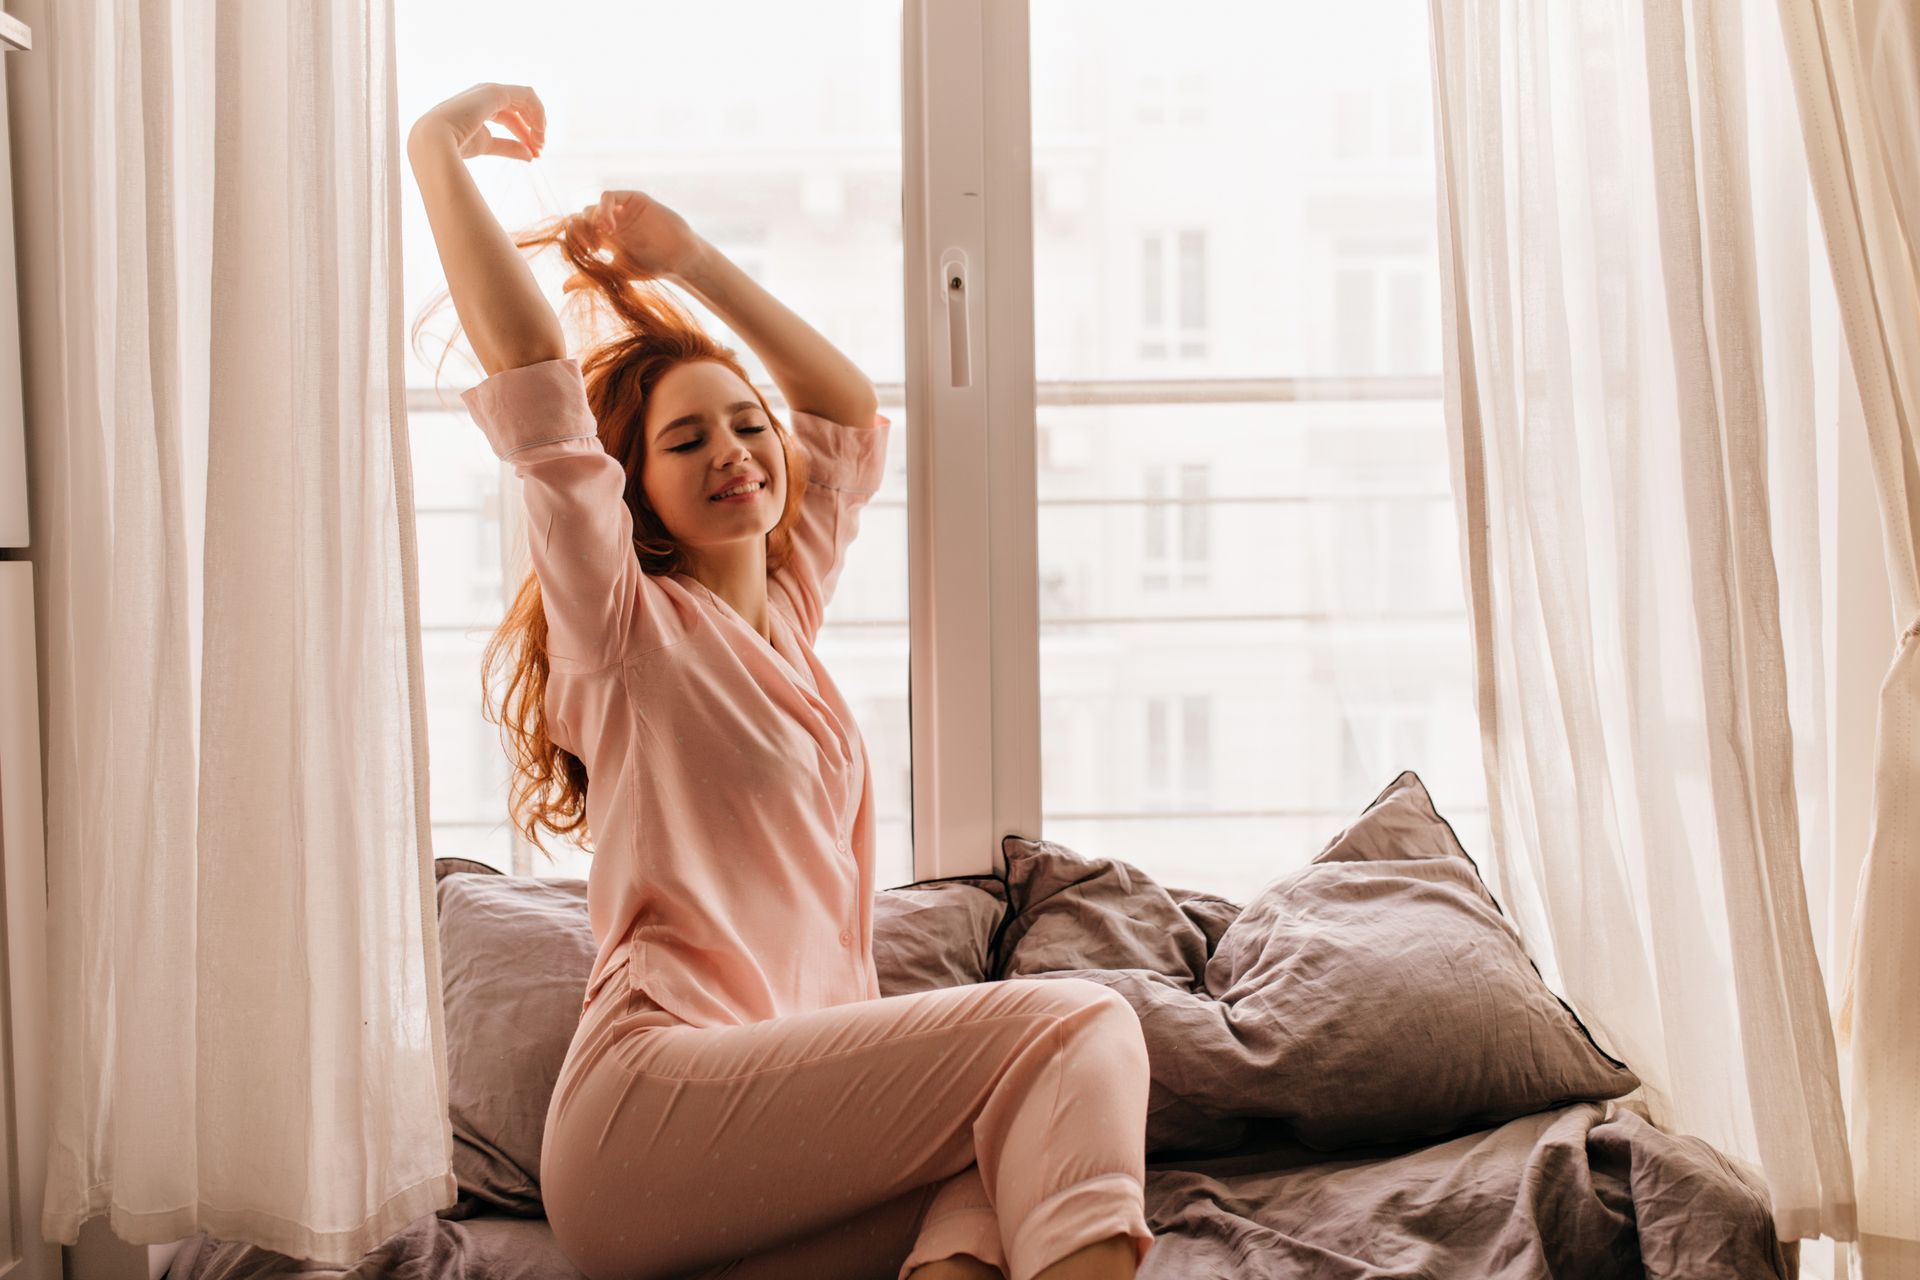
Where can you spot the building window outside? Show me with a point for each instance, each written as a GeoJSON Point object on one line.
{"type": "Point", "coordinates": [1377, 739]}
{"type": "Point", "coordinates": [1173, 295]}
{"type": "Point", "coordinates": [1382, 316]}
{"type": "Point", "coordinates": [1179, 750]}
{"type": "Point", "coordinates": [1174, 543]}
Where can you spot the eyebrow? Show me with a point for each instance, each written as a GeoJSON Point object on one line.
{"type": "Point", "coordinates": [694, 419]}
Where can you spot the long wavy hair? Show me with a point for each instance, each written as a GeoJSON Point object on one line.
{"type": "Point", "coordinates": [632, 334]}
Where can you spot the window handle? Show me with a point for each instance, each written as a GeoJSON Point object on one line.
{"type": "Point", "coordinates": [953, 281]}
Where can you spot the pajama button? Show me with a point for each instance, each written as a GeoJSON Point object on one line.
{"type": "Point", "coordinates": [846, 937]}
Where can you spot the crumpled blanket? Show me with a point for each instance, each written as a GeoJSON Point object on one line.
{"type": "Point", "coordinates": [1589, 1190]}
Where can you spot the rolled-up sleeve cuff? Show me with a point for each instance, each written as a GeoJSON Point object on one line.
{"type": "Point", "coordinates": [840, 456]}
{"type": "Point", "coordinates": [534, 404]}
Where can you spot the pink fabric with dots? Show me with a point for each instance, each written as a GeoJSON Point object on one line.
{"type": "Point", "coordinates": [738, 1096]}
{"type": "Point", "coordinates": [1005, 1120]}
{"type": "Point", "coordinates": [729, 795]}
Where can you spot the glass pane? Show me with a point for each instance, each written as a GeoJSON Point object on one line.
{"type": "Point", "coordinates": [1293, 634]}
{"type": "Point", "coordinates": [1153, 515]}
{"type": "Point", "coordinates": [1152, 279]}
{"type": "Point", "coordinates": [1156, 744]}
{"type": "Point", "coordinates": [1193, 280]}
{"type": "Point", "coordinates": [1196, 744]}
{"type": "Point", "coordinates": [1353, 316]}
{"type": "Point", "coordinates": [796, 178]}
{"type": "Point", "coordinates": [1195, 519]}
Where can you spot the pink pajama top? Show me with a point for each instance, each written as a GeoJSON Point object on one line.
{"type": "Point", "coordinates": [728, 795]}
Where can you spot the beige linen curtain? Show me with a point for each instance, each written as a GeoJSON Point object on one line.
{"type": "Point", "coordinates": [243, 957]}
{"type": "Point", "coordinates": [1856, 72]}
{"type": "Point", "coordinates": [1632, 393]}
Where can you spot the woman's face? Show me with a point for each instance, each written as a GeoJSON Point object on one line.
{"type": "Point", "coordinates": [705, 432]}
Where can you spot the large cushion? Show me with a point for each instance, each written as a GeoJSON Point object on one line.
{"type": "Point", "coordinates": [515, 954]}
{"type": "Point", "coordinates": [936, 933]}
{"type": "Point", "coordinates": [1402, 998]}
{"type": "Point", "coordinates": [1376, 995]}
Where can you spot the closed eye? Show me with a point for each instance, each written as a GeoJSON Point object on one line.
{"type": "Point", "coordinates": [682, 448]}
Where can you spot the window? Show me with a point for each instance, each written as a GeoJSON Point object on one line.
{"type": "Point", "coordinates": [1385, 311]}
{"type": "Point", "coordinates": [1173, 295]}
{"type": "Point", "coordinates": [1179, 751]}
{"type": "Point", "coordinates": [1380, 122]}
{"type": "Point", "coordinates": [1172, 102]}
{"type": "Point", "coordinates": [1243, 512]}
{"type": "Point", "coordinates": [1373, 737]}
{"type": "Point", "coordinates": [1174, 542]}
{"type": "Point", "coordinates": [796, 178]}
{"type": "Point", "coordinates": [1276, 602]}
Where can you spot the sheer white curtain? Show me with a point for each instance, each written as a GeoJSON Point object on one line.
{"type": "Point", "coordinates": [244, 970]}
{"type": "Point", "coordinates": [1856, 69]}
{"type": "Point", "coordinates": [1628, 293]}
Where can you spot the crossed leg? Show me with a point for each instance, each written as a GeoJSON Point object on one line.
{"type": "Point", "coordinates": [1003, 1121]}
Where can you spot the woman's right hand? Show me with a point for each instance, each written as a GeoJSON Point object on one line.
{"type": "Point", "coordinates": [462, 120]}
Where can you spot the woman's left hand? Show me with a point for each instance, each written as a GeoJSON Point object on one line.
{"type": "Point", "coordinates": [645, 238]}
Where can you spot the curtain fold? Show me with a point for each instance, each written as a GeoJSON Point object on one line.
{"type": "Point", "coordinates": [1626, 299]}
{"type": "Point", "coordinates": [1856, 76]}
{"type": "Point", "coordinates": [243, 957]}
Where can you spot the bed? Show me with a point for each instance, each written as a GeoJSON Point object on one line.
{"type": "Point", "coordinates": [1358, 1073]}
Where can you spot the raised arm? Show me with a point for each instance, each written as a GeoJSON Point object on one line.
{"type": "Point", "coordinates": [648, 240]}
{"type": "Point", "coordinates": [533, 403]}
{"type": "Point", "coordinates": [505, 316]}
{"type": "Point", "coordinates": [813, 375]}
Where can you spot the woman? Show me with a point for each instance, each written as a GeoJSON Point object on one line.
{"type": "Point", "coordinates": [738, 1098]}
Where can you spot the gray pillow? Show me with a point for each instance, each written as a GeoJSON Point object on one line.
{"type": "Point", "coordinates": [1402, 1002]}
{"type": "Point", "coordinates": [514, 956]}
{"type": "Point", "coordinates": [1374, 996]}
{"type": "Point", "coordinates": [936, 933]}
{"type": "Point", "coordinates": [515, 952]}
{"type": "Point", "coordinates": [1074, 912]}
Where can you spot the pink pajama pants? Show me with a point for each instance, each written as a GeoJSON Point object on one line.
{"type": "Point", "coordinates": [1005, 1120]}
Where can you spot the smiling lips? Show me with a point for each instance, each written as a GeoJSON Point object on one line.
{"type": "Point", "coordinates": [735, 493]}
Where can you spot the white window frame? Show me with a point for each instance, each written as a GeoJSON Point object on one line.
{"type": "Point", "coordinates": [973, 592]}
{"type": "Point", "coordinates": [967, 172]}
{"type": "Point", "coordinates": [971, 392]}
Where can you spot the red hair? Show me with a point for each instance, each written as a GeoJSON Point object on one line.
{"type": "Point", "coordinates": [652, 335]}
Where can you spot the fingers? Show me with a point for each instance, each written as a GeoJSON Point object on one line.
{"type": "Point", "coordinates": [584, 228]}
{"type": "Point", "coordinates": [526, 103]}
{"type": "Point", "coordinates": [519, 108]}
{"type": "Point", "coordinates": [512, 148]}
{"type": "Point", "coordinates": [518, 123]}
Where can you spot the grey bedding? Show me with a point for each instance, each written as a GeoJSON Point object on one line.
{"type": "Point", "coordinates": [1570, 1192]}
{"type": "Point", "coordinates": [1358, 1073]}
